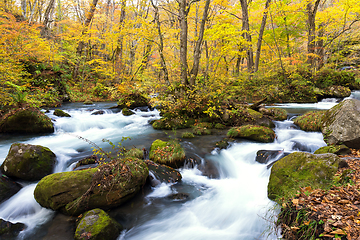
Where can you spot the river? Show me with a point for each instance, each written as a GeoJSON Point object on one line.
{"type": "Point", "coordinates": [227, 190]}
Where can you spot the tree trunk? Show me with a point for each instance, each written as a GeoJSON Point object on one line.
{"type": "Point", "coordinates": [45, 31]}
{"type": "Point", "coordinates": [183, 42]}
{"type": "Point", "coordinates": [161, 45]}
{"type": "Point", "coordinates": [247, 35]}
{"type": "Point", "coordinates": [119, 66]}
{"type": "Point", "coordinates": [197, 52]}
{"type": "Point", "coordinates": [261, 33]}
{"type": "Point", "coordinates": [311, 45]}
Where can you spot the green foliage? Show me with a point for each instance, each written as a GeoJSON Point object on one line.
{"type": "Point", "coordinates": [327, 77]}
{"type": "Point", "coordinates": [187, 135]}
{"type": "Point", "coordinates": [310, 121]}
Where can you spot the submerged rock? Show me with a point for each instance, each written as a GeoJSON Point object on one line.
{"type": "Point", "coordinates": [341, 124]}
{"type": "Point", "coordinates": [61, 113]}
{"type": "Point", "coordinates": [252, 132]}
{"type": "Point", "coordinates": [8, 188]}
{"type": "Point", "coordinates": [106, 186]}
{"type": "Point", "coordinates": [99, 112]}
{"type": "Point", "coordinates": [28, 162]}
{"type": "Point", "coordinates": [97, 225]}
{"type": "Point", "coordinates": [161, 173]}
{"type": "Point", "coordinates": [301, 169]}
{"type": "Point", "coordinates": [9, 230]}
{"type": "Point", "coordinates": [168, 153]}
{"type": "Point", "coordinates": [29, 120]}
{"type": "Point", "coordinates": [127, 112]}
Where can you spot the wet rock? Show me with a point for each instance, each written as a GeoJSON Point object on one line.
{"type": "Point", "coordinates": [106, 186]}
{"type": "Point", "coordinates": [61, 113]}
{"type": "Point", "coordinates": [223, 144]}
{"type": "Point", "coordinates": [277, 114]}
{"type": "Point", "coordinates": [88, 102]}
{"type": "Point", "coordinates": [28, 162]}
{"type": "Point", "coordinates": [179, 196]}
{"type": "Point", "coordinates": [8, 188]}
{"type": "Point", "coordinates": [29, 120]}
{"type": "Point", "coordinates": [127, 112]}
{"type": "Point", "coordinates": [336, 149]}
{"type": "Point", "coordinates": [301, 169]}
{"type": "Point", "coordinates": [87, 161]}
{"type": "Point", "coordinates": [161, 173]}
{"type": "Point", "coordinates": [136, 153]}
{"type": "Point", "coordinates": [10, 230]}
{"type": "Point", "coordinates": [133, 100]}
{"type": "Point", "coordinates": [252, 132]}
{"type": "Point", "coordinates": [168, 153]}
{"type": "Point", "coordinates": [97, 225]}
{"type": "Point", "coordinates": [99, 112]}
{"type": "Point", "coordinates": [264, 156]}
{"type": "Point", "coordinates": [341, 124]}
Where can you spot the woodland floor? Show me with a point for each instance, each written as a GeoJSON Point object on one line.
{"type": "Point", "coordinates": [337, 209]}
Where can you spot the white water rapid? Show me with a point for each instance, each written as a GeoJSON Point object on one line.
{"type": "Point", "coordinates": [233, 206]}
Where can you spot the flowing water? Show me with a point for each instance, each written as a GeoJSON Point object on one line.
{"type": "Point", "coordinates": [229, 203]}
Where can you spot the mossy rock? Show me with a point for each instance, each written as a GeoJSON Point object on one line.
{"type": "Point", "coordinates": [29, 120]}
{"type": "Point", "coordinates": [97, 225]}
{"type": "Point", "coordinates": [61, 113]}
{"type": "Point", "coordinates": [278, 114]}
{"type": "Point", "coordinates": [133, 100]}
{"type": "Point", "coordinates": [198, 130]}
{"type": "Point", "coordinates": [127, 112]}
{"type": "Point", "coordinates": [88, 102]}
{"type": "Point", "coordinates": [219, 126]}
{"type": "Point", "coordinates": [336, 149]}
{"type": "Point", "coordinates": [167, 153]}
{"type": "Point", "coordinates": [244, 116]}
{"type": "Point", "coordinates": [310, 121]}
{"type": "Point", "coordinates": [223, 144]}
{"type": "Point", "coordinates": [135, 153]}
{"type": "Point", "coordinates": [187, 135]}
{"type": "Point", "coordinates": [106, 186]}
{"type": "Point", "coordinates": [9, 230]}
{"type": "Point", "coordinates": [28, 162]}
{"type": "Point", "coordinates": [87, 161]}
{"type": "Point", "coordinates": [8, 188]}
{"type": "Point", "coordinates": [252, 132]}
{"type": "Point", "coordinates": [179, 122]}
{"type": "Point", "coordinates": [300, 169]}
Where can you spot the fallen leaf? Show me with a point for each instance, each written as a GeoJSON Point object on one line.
{"type": "Point", "coordinates": [338, 232]}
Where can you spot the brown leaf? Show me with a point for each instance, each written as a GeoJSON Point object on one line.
{"type": "Point", "coordinates": [338, 232]}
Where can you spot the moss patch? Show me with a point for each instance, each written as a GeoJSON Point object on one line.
{"type": "Point", "coordinates": [310, 121]}
{"type": "Point", "coordinates": [135, 153]}
{"type": "Point", "coordinates": [252, 132]}
{"type": "Point", "coordinates": [167, 153]}
{"type": "Point", "coordinates": [187, 135]}
{"type": "Point", "coordinates": [301, 169]}
{"type": "Point", "coordinates": [336, 149]}
{"type": "Point", "coordinates": [61, 113]}
{"type": "Point", "coordinates": [127, 112]}
{"type": "Point", "coordinates": [278, 114]}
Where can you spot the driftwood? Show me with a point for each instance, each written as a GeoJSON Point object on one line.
{"type": "Point", "coordinates": [256, 106]}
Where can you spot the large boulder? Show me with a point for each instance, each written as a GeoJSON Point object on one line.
{"type": "Point", "coordinates": [301, 169]}
{"type": "Point", "coordinates": [28, 162]}
{"type": "Point", "coordinates": [29, 120]}
{"type": "Point", "coordinates": [8, 188]}
{"type": "Point", "coordinates": [341, 124]}
{"type": "Point", "coordinates": [243, 115]}
{"type": "Point", "coordinates": [167, 153]}
{"type": "Point", "coordinates": [97, 225]}
{"type": "Point", "coordinates": [252, 132]}
{"type": "Point", "coordinates": [161, 173]}
{"type": "Point", "coordinates": [310, 121]}
{"type": "Point", "coordinates": [9, 230]}
{"type": "Point", "coordinates": [106, 186]}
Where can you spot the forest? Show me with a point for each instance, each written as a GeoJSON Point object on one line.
{"type": "Point", "coordinates": [185, 51]}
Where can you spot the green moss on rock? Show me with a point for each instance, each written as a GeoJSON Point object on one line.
{"type": "Point", "coordinates": [88, 102]}
{"type": "Point", "coordinates": [28, 162]}
{"type": "Point", "coordinates": [178, 122]}
{"type": "Point", "coordinates": [29, 120]}
{"type": "Point", "coordinates": [97, 225]}
{"type": "Point", "coordinates": [187, 135]}
{"type": "Point", "coordinates": [301, 169]}
{"type": "Point", "coordinates": [61, 113]}
{"type": "Point", "coordinates": [135, 153]}
{"type": "Point", "coordinates": [336, 149]}
{"type": "Point", "coordinates": [133, 100]}
{"type": "Point", "coordinates": [252, 132]}
{"type": "Point", "coordinates": [127, 112]}
{"type": "Point", "coordinates": [278, 114]}
{"type": "Point", "coordinates": [310, 121]}
{"type": "Point", "coordinates": [167, 153]}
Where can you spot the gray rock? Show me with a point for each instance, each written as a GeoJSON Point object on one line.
{"type": "Point", "coordinates": [8, 188]}
{"type": "Point", "coordinates": [341, 124]}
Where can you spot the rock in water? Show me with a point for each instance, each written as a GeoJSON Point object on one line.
{"type": "Point", "coordinates": [162, 173]}
{"type": "Point", "coordinates": [253, 132]}
{"type": "Point", "coordinates": [10, 230]}
{"type": "Point", "coordinates": [341, 124]}
{"type": "Point", "coordinates": [8, 188]}
{"type": "Point", "coordinates": [301, 169]}
{"type": "Point", "coordinates": [106, 186]}
{"type": "Point", "coordinates": [61, 113]}
{"type": "Point", "coordinates": [28, 162]}
{"type": "Point", "coordinates": [167, 153]}
{"type": "Point", "coordinates": [97, 225]}
{"type": "Point", "coordinates": [26, 121]}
